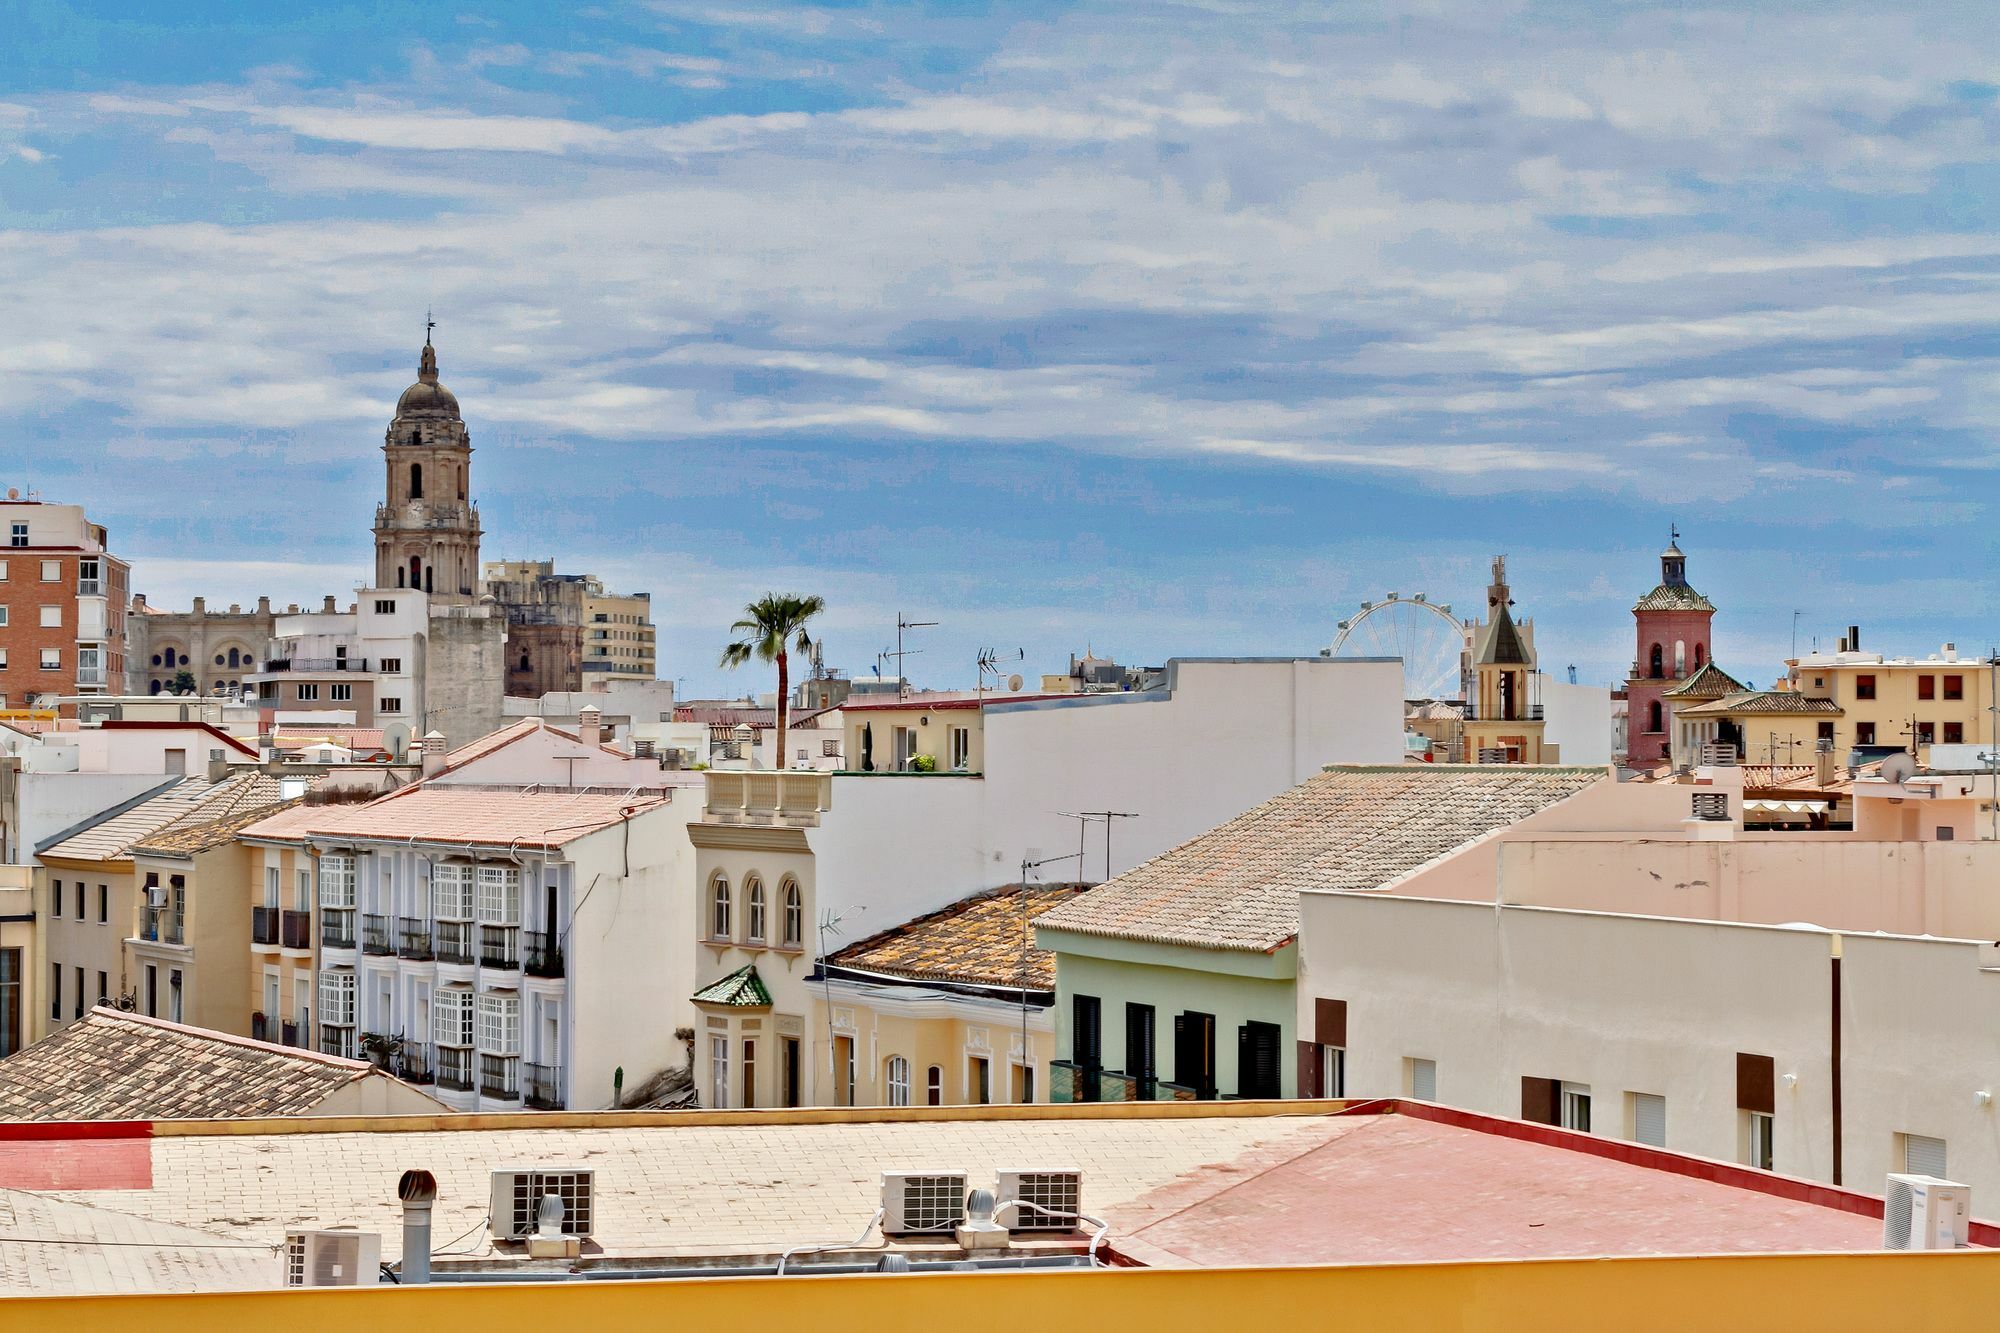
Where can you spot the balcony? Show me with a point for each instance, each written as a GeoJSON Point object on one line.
{"type": "Point", "coordinates": [336, 1041]}
{"type": "Point", "coordinates": [454, 1068]}
{"type": "Point", "coordinates": [413, 1065]}
{"type": "Point", "coordinates": [295, 930]}
{"type": "Point", "coordinates": [545, 1088]}
{"type": "Point", "coordinates": [289, 1034]}
{"type": "Point", "coordinates": [260, 1027]}
{"type": "Point", "coordinates": [1529, 713]}
{"type": "Point", "coordinates": [454, 941]}
{"type": "Point", "coordinates": [90, 587]}
{"type": "Point", "coordinates": [500, 946]}
{"type": "Point", "coordinates": [92, 675]}
{"type": "Point", "coordinates": [499, 1075]}
{"type": "Point", "coordinates": [161, 925]}
{"type": "Point", "coordinates": [359, 664]}
{"type": "Point", "coordinates": [336, 927]}
{"type": "Point", "coordinates": [545, 958]}
{"type": "Point", "coordinates": [264, 925]}
{"type": "Point", "coordinates": [375, 936]}
{"type": "Point", "coordinates": [413, 938]}
{"type": "Point", "coordinates": [790, 799]}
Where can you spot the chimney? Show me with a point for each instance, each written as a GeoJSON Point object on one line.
{"type": "Point", "coordinates": [1843, 643]}
{"type": "Point", "coordinates": [433, 753]}
{"type": "Point", "coordinates": [1823, 764]}
{"type": "Point", "coordinates": [201, 606]}
{"type": "Point", "coordinates": [1854, 638]}
{"type": "Point", "coordinates": [218, 766]}
{"type": "Point", "coordinates": [263, 606]}
{"type": "Point", "coordinates": [417, 1190]}
{"type": "Point", "coordinates": [1951, 652]}
{"type": "Point", "coordinates": [328, 607]}
{"type": "Point", "coordinates": [588, 725]}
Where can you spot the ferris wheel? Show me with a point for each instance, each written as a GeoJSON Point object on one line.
{"type": "Point", "coordinates": [1423, 633]}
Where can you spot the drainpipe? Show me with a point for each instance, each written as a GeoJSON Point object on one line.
{"type": "Point", "coordinates": [1833, 1011]}
{"type": "Point", "coordinates": [418, 1190]}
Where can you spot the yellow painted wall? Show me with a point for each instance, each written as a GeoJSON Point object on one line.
{"type": "Point", "coordinates": [932, 729]}
{"type": "Point", "coordinates": [1895, 701]}
{"type": "Point", "coordinates": [1828, 1293]}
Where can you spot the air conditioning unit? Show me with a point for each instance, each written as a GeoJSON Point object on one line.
{"type": "Point", "coordinates": [518, 1193]}
{"type": "Point", "coordinates": [922, 1202]}
{"type": "Point", "coordinates": [332, 1258]}
{"type": "Point", "coordinates": [1925, 1213]}
{"type": "Point", "coordinates": [1060, 1192]}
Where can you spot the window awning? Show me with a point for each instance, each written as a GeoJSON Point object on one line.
{"type": "Point", "coordinates": [1789, 807]}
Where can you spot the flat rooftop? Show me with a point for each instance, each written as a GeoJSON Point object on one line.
{"type": "Point", "coordinates": [1181, 1185]}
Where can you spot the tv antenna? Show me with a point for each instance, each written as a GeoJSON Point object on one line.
{"type": "Point", "coordinates": [902, 623]}
{"type": "Point", "coordinates": [989, 664]}
{"type": "Point", "coordinates": [829, 924]}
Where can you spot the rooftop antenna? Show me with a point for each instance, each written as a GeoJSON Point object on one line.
{"type": "Point", "coordinates": [829, 923]}
{"type": "Point", "coordinates": [902, 676]}
{"type": "Point", "coordinates": [989, 664]}
{"type": "Point", "coordinates": [1028, 867]}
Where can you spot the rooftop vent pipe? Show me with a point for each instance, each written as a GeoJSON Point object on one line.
{"type": "Point", "coordinates": [418, 1190]}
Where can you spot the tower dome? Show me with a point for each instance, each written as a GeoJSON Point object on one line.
{"type": "Point", "coordinates": [427, 398]}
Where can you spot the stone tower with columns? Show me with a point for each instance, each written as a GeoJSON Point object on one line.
{"type": "Point", "coordinates": [427, 528]}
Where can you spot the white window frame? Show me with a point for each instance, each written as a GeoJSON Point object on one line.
{"type": "Point", "coordinates": [1761, 1134]}
{"type": "Point", "coordinates": [499, 895]}
{"type": "Point", "coordinates": [451, 891]}
{"type": "Point", "coordinates": [393, 705]}
{"type": "Point", "coordinates": [52, 659]}
{"type": "Point", "coordinates": [3, 616]}
{"type": "Point", "coordinates": [961, 749]}
{"type": "Point", "coordinates": [1575, 1107]}
{"type": "Point", "coordinates": [336, 998]}
{"type": "Point", "coordinates": [340, 692]}
{"type": "Point", "coordinates": [271, 887]}
{"type": "Point", "coordinates": [498, 1023]}
{"type": "Point", "coordinates": [719, 906]}
{"type": "Point", "coordinates": [1643, 1104]}
{"type": "Point", "coordinates": [308, 692]}
{"type": "Point", "coordinates": [1333, 1071]}
{"type": "Point", "coordinates": [754, 914]}
{"type": "Point", "coordinates": [792, 902]}
{"type": "Point", "coordinates": [897, 1075]}
{"type": "Point", "coordinates": [52, 571]}
{"type": "Point", "coordinates": [336, 881]}
{"type": "Point", "coordinates": [718, 1071]}
{"type": "Point", "coordinates": [451, 1016]}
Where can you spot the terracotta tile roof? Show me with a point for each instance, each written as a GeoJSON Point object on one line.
{"type": "Point", "coordinates": [188, 802]}
{"type": "Point", "coordinates": [297, 737]}
{"type": "Point", "coordinates": [1797, 779]}
{"type": "Point", "coordinates": [506, 736]}
{"type": "Point", "coordinates": [741, 989]}
{"type": "Point", "coordinates": [487, 815]}
{"type": "Point", "coordinates": [729, 716]}
{"type": "Point", "coordinates": [1709, 681]}
{"type": "Point", "coordinates": [182, 838]}
{"type": "Point", "coordinates": [1788, 702]}
{"type": "Point", "coordinates": [976, 941]}
{"type": "Point", "coordinates": [1237, 886]}
{"type": "Point", "coordinates": [1673, 597]}
{"type": "Point", "coordinates": [110, 1065]}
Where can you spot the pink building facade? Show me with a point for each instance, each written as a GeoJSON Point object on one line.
{"type": "Point", "coordinates": [1672, 643]}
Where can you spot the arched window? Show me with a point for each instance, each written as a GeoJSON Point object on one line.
{"type": "Point", "coordinates": [237, 657]}
{"type": "Point", "coordinates": [899, 1081]}
{"type": "Point", "coordinates": [755, 911]}
{"type": "Point", "coordinates": [934, 1086]}
{"type": "Point", "coordinates": [524, 660]}
{"type": "Point", "coordinates": [718, 909]}
{"type": "Point", "coordinates": [156, 684]}
{"type": "Point", "coordinates": [1659, 662]}
{"type": "Point", "coordinates": [416, 571]}
{"type": "Point", "coordinates": [416, 481]}
{"type": "Point", "coordinates": [428, 570]}
{"type": "Point", "coordinates": [1653, 716]}
{"type": "Point", "coordinates": [1680, 657]}
{"type": "Point", "coordinates": [795, 915]}
{"type": "Point", "coordinates": [1700, 656]}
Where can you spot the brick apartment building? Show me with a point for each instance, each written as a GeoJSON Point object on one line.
{"type": "Point", "coordinates": [63, 600]}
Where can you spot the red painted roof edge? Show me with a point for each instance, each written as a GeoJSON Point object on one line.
{"type": "Point", "coordinates": [37, 1131]}
{"type": "Point", "coordinates": [1709, 1169]}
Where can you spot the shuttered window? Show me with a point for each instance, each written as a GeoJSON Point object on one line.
{"type": "Point", "coordinates": [1541, 1100]}
{"type": "Point", "coordinates": [1140, 1061]}
{"type": "Point", "coordinates": [1087, 1031]}
{"type": "Point", "coordinates": [336, 881]}
{"type": "Point", "coordinates": [1923, 1156]}
{"type": "Point", "coordinates": [1649, 1119]}
{"type": "Point", "coordinates": [1423, 1079]}
{"type": "Point", "coordinates": [1257, 1060]}
{"type": "Point", "coordinates": [451, 1017]}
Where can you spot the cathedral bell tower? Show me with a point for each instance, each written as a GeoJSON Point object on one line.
{"type": "Point", "coordinates": [426, 529]}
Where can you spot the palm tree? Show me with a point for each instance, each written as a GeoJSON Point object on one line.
{"type": "Point", "coordinates": [771, 629]}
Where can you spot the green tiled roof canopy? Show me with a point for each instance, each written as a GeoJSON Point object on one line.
{"type": "Point", "coordinates": [741, 989]}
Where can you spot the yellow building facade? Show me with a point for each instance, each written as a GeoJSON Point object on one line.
{"type": "Point", "coordinates": [1503, 715]}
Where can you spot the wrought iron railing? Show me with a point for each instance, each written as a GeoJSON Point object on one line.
{"type": "Point", "coordinates": [413, 1065]}
{"type": "Point", "coordinates": [499, 1075]}
{"type": "Point", "coordinates": [544, 956]}
{"type": "Point", "coordinates": [161, 925]}
{"type": "Point", "coordinates": [544, 1087]}
{"type": "Point", "coordinates": [454, 1068]}
{"type": "Point", "coordinates": [413, 937]}
{"type": "Point", "coordinates": [454, 941]}
{"type": "Point", "coordinates": [259, 1025]}
{"type": "Point", "coordinates": [375, 935]}
{"type": "Point", "coordinates": [336, 927]}
{"type": "Point", "coordinates": [289, 1034]}
{"type": "Point", "coordinates": [500, 946]}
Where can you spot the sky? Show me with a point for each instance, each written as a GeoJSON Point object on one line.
{"type": "Point", "coordinates": [1162, 330]}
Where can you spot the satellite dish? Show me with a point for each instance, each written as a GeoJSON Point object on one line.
{"type": "Point", "coordinates": [1014, 681]}
{"type": "Point", "coordinates": [1898, 768]}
